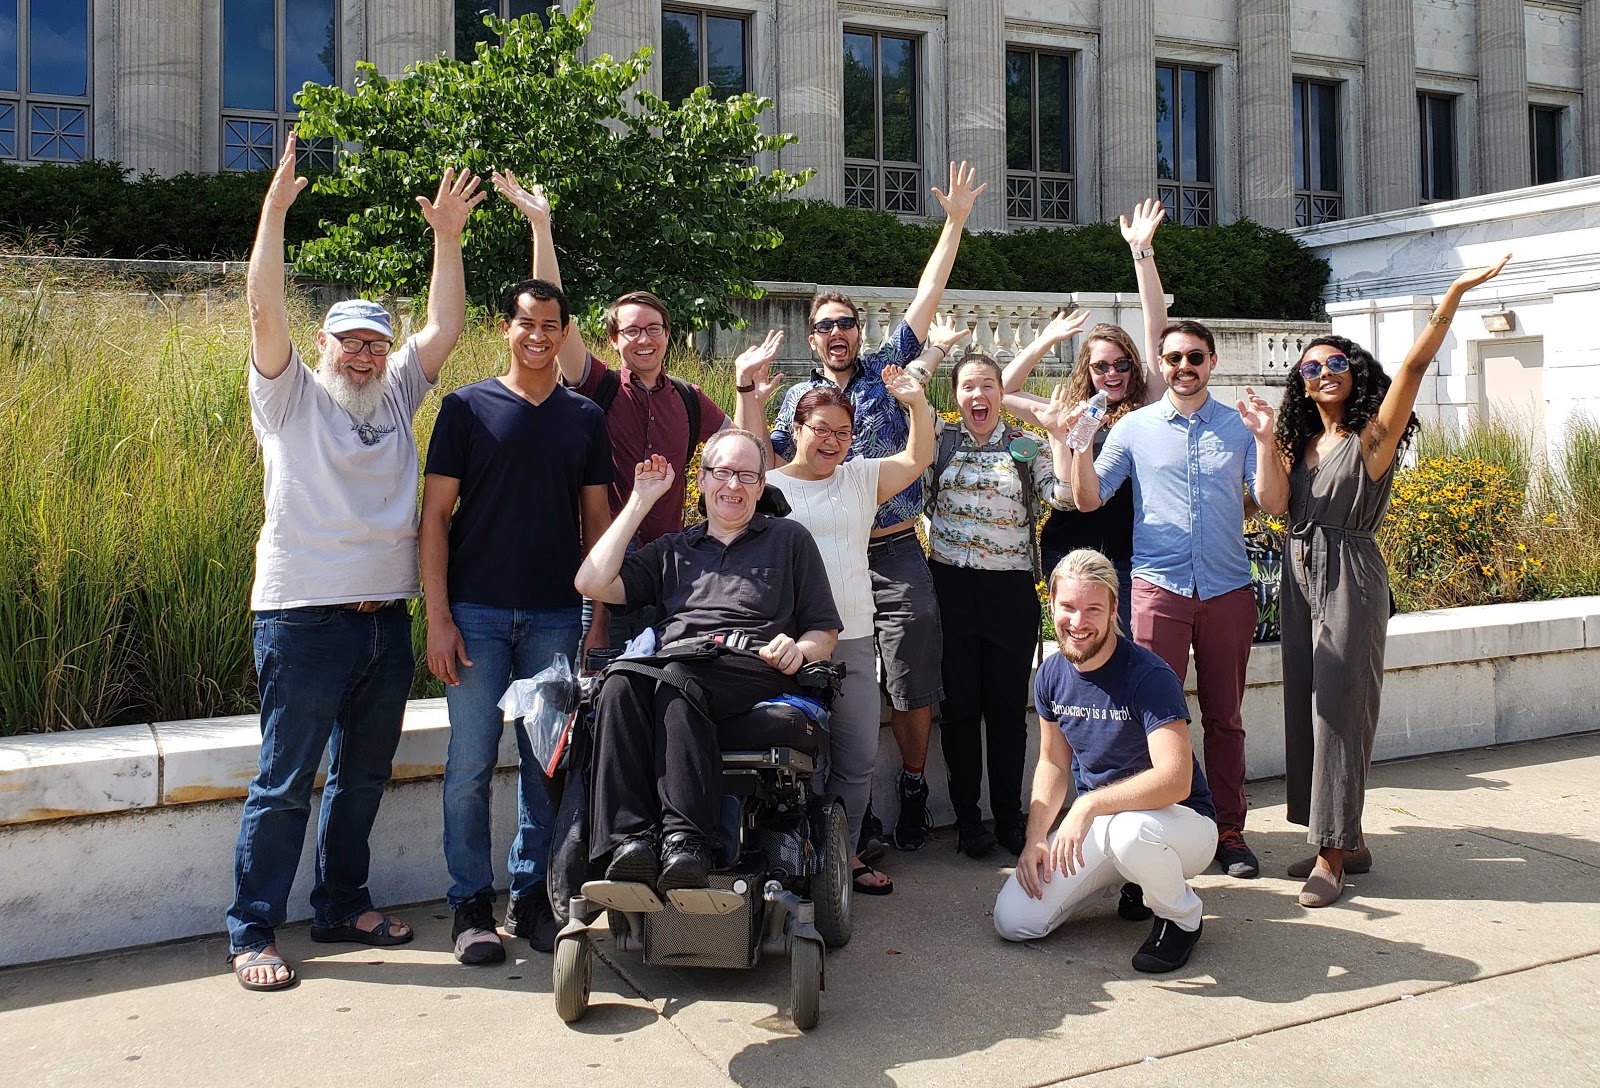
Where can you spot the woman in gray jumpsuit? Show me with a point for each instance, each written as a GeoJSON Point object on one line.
{"type": "Point", "coordinates": [1341, 427]}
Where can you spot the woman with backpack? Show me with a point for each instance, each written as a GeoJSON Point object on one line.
{"type": "Point", "coordinates": [985, 492]}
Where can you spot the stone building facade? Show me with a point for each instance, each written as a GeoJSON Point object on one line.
{"type": "Point", "coordinates": [1291, 112]}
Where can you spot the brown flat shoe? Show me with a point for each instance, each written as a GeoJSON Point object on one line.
{"type": "Point", "coordinates": [1322, 889]}
{"type": "Point", "coordinates": [1354, 863]}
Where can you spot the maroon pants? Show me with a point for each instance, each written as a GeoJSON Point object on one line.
{"type": "Point", "coordinates": [1220, 629]}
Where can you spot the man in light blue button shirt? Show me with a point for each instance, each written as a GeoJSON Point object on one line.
{"type": "Point", "coordinates": [1191, 458]}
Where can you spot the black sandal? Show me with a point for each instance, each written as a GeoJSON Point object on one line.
{"type": "Point", "coordinates": [379, 936]}
{"type": "Point", "coordinates": [870, 889]}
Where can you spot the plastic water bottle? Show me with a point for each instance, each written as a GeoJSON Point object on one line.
{"type": "Point", "coordinates": [1081, 437]}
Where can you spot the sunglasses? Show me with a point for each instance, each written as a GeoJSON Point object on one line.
{"type": "Point", "coordinates": [828, 324]}
{"type": "Point", "coordinates": [1195, 357]}
{"type": "Point", "coordinates": [1121, 366]}
{"type": "Point", "coordinates": [1311, 370]}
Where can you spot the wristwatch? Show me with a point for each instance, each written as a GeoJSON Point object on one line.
{"type": "Point", "coordinates": [1143, 251]}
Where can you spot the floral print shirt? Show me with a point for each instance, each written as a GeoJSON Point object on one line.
{"type": "Point", "coordinates": [979, 519]}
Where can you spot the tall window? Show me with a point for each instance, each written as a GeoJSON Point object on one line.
{"type": "Point", "coordinates": [469, 20]}
{"type": "Point", "coordinates": [1544, 133]}
{"type": "Point", "coordinates": [270, 50]}
{"type": "Point", "coordinates": [1436, 156]}
{"type": "Point", "coordinates": [1039, 180]}
{"type": "Point", "coordinates": [44, 80]}
{"type": "Point", "coordinates": [702, 49]}
{"type": "Point", "coordinates": [1318, 194]}
{"type": "Point", "coordinates": [882, 155]}
{"type": "Point", "coordinates": [1184, 144]}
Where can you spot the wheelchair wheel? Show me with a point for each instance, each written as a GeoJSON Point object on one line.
{"type": "Point", "coordinates": [805, 984]}
{"type": "Point", "coordinates": [831, 888]}
{"type": "Point", "coordinates": [570, 976]}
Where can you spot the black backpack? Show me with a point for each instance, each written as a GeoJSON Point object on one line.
{"type": "Point", "coordinates": [611, 384]}
{"type": "Point", "coordinates": [950, 440]}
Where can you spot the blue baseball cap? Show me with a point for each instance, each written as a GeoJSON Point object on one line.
{"type": "Point", "coordinates": [357, 313]}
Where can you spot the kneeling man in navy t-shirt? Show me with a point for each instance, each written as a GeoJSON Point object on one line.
{"type": "Point", "coordinates": [1143, 814]}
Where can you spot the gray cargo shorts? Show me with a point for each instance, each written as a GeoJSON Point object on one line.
{"type": "Point", "coordinates": [910, 640]}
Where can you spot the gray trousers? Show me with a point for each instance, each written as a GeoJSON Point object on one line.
{"type": "Point", "coordinates": [852, 753]}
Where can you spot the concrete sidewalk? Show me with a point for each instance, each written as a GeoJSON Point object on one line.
{"type": "Point", "coordinates": [1470, 955]}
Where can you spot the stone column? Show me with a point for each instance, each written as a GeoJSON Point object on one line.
{"type": "Point", "coordinates": [158, 50]}
{"type": "Point", "coordinates": [1127, 105]}
{"type": "Point", "coordinates": [620, 27]}
{"type": "Point", "coordinates": [1591, 90]}
{"type": "Point", "coordinates": [1503, 95]}
{"type": "Point", "coordinates": [811, 94]}
{"type": "Point", "coordinates": [1390, 119]}
{"type": "Point", "coordinates": [403, 32]}
{"type": "Point", "coordinates": [974, 61]}
{"type": "Point", "coordinates": [1266, 113]}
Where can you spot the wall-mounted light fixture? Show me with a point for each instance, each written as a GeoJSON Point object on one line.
{"type": "Point", "coordinates": [1500, 321]}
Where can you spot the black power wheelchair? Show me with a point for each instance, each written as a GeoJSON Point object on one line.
{"type": "Point", "coordinates": [785, 887]}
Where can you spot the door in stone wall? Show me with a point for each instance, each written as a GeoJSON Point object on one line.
{"type": "Point", "coordinates": [1511, 385]}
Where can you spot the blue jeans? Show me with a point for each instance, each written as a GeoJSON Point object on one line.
{"type": "Point", "coordinates": [331, 679]}
{"type": "Point", "coordinates": [504, 644]}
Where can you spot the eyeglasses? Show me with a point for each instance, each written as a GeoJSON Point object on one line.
{"type": "Point", "coordinates": [1195, 358]}
{"type": "Point", "coordinates": [1121, 366]}
{"type": "Point", "coordinates": [746, 477]}
{"type": "Point", "coordinates": [843, 434]}
{"type": "Point", "coordinates": [637, 332]}
{"type": "Point", "coordinates": [1311, 370]}
{"type": "Point", "coordinates": [828, 324]}
{"type": "Point", "coordinates": [352, 345]}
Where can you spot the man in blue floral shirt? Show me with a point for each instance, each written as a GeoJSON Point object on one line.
{"type": "Point", "coordinates": [907, 618]}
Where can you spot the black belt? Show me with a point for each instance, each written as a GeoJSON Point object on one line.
{"type": "Point", "coordinates": [901, 534]}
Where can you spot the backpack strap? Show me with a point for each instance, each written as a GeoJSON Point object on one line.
{"type": "Point", "coordinates": [691, 408]}
{"type": "Point", "coordinates": [949, 443]}
{"type": "Point", "coordinates": [606, 392]}
{"type": "Point", "coordinates": [1030, 502]}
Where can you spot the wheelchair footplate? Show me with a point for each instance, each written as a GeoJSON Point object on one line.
{"type": "Point", "coordinates": [705, 900]}
{"type": "Point", "coordinates": [626, 897]}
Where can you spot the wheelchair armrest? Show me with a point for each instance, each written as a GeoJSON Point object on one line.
{"type": "Point", "coordinates": [779, 758]}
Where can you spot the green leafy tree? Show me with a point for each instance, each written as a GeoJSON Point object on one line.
{"type": "Point", "coordinates": [663, 197]}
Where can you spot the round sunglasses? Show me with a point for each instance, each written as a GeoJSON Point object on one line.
{"type": "Point", "coordinates": [1311, 369]}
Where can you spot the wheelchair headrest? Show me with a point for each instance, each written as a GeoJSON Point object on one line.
{"type": "Point", "coordinates": [773, 503]}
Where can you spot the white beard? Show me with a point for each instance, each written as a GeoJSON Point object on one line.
{"type": "Point", "coordinates": [360, 400]}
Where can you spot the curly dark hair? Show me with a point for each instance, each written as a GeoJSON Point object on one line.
{"type": "Point", "coordinates": [1299, 422]}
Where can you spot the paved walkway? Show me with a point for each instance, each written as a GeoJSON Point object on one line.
{"type": "Point", "coordinates": [1470, 955]}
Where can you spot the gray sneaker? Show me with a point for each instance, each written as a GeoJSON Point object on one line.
{"type": "Point", "coordinates": [472, 929]}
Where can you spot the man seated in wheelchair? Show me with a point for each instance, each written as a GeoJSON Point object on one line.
{"type": "Point", "coordinates": [739, 579]}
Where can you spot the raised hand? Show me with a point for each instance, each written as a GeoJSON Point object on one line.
{"type": "Point", "coordinates": [285, 186]}
{"type": "Point", "coordinates": [1257, 414]}
{"type": "Point", "coordinates": [945, 333]}
{"type": "Point", "coordinates": [652, 479]}
{"type": "Point", "coordinates": [447, 212]}
{"type": "Point", "coordinates": [530, 202]}
{"type": "Point", "coordinates": [1064, 326]}
{"type": "Point", "coordinates": [1061, 413]}
{"type": "Point", "coordinates": [903, 387]}
{"type": "Point", "coordinates": [1147, 216]}
{"type": "Point", "coordinates": [754, 365]}
{"type": "Point", "coordinates": [1468, 280]}
{"type": "Point", "coordinates": [957, 203]}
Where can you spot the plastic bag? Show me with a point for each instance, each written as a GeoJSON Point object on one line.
{"type": "Point", "coordinates": [544, 705]}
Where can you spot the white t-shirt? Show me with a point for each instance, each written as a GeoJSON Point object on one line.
{"type": "Point", "coordinates": [341, 493]}
{"type": "Point", "coordinates": [839, 511]}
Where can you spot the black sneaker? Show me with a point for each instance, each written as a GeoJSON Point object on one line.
{"type": "Point", "coordinates": [636, 861]}
{"type": "Point", "coordinates": [1131, 905]}
{"type": "Point", "coordinates": [529, 916]}
{"type": "Point", "coordinates": [870, 844]}
{"type": "Point", "coordinates": [472, 931]}
{"type": "Point", "coordinates": [1012, 835]}
{"type": "Point", "coordinates": [685, 862]}
{"type": "Point", "coordinates": [974, 840]}
{"type": "Point", "coordinates": [912, 827]}
{"type": "Point", "coordinates": [1235, 857]}
{"type": "Point", "coordinates": [1167, 948]}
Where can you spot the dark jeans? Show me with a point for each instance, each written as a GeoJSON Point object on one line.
{"type": "Point", "coordinates": [331, 680]}
{"type": "Point", "coordinates": [991, 626]}
{"type": "Point", "coordinates": [656, 759]}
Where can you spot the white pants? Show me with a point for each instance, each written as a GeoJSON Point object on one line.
{"type": "Point", "coordinates": [846, 764]}
{"type": "Point", "coordinates": [1158, 850]}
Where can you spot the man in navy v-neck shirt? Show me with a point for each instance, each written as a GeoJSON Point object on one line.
{"type": "Point", "coordinates": [514, 494]}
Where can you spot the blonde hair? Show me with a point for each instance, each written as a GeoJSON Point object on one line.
{"type": "Point", "coordinates": [1091, 568]}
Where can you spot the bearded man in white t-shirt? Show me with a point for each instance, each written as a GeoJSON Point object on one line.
{"type": "Point", "coordinates": [336, 563]}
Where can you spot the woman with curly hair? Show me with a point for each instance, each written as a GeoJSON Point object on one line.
{"type": "Point", "coordinates": [1340, 430]}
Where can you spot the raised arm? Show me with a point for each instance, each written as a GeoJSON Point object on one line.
{"type": "Point", "coordinates": [1382, 436]}
{"type": "Point", "coordinates": [1271, 490]}
{"type": "Point", "coordinates": [270, 346]}
{"type": "Point", "coordinates": [957, 207]}
{"type": "Point", "coordinates": [755, 383]}
{"type": "Point", "coordinates": [1057, 416]}
{"type": "Point", "coordinates": [447, 215]}
{"type": "Point", "coordinates": [897, 473]}
{"type": "Point", "coordinates": [1140, 235]}
{"type": "Point", "coordinates": [599, 577]}
{"type": "Point", "coordinates": [1061, 328]}
{"type": "Point", "coordinates": [535, 206]}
